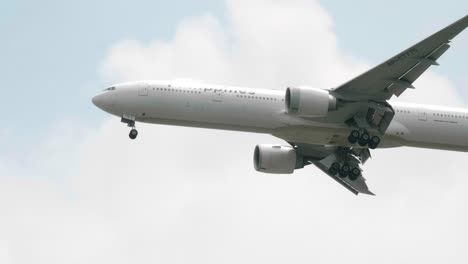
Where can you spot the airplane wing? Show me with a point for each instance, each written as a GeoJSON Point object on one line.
{"type": "Point", "coordinates": [365, 107]}
{"type": "Point", "coordinates": [325, 156]}
{"type": "Point", "coordinates": [397, 74]}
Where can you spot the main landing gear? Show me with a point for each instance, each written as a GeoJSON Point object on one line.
{"type": "Point", "coordinates": [345, 170]}
{"type": "Point", "coordinates": [363, 138]}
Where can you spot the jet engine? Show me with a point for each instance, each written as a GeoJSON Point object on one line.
{"type": "Point", "coordinates": [276, 159]}
{"type": "Point", "coordinates": [309, 102]}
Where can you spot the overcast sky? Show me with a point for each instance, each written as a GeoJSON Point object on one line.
{"type": "Point", "coordinates": [75, 189]}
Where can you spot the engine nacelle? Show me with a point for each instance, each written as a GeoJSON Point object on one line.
{"type": "Point", "coordinates": [309, 102]}
{"type": "Point", "coordinates": [275, 159]}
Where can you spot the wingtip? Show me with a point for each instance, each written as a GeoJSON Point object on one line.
{"type": "Point", "coordinates": [465, 19]}
{"type": "Point", "coordinates": [368, 193]}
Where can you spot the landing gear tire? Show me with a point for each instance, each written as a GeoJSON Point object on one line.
{"type": "Point", "coordinates": [344, 171]}
{"type": "Point", "coordinates": [374, 142]}
{"type": "Point", "coordinates": [133, 134]}
{"type": "Point", "coordinates": [354, 174]}
{"type": "Point", "coordinates": [364, 139]}
{"type": "Point", "coordinates": [353, 137]}
{"type": "Point", "coordinates": [334, 169]}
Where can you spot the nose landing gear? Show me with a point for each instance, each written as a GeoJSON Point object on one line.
{"type": "Point", "coordinates": [130, 121]}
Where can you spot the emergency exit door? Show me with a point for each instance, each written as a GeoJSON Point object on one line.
{"type": "Point", "coordinates": [143, 91]}
{"type": "Point", "coordinates": [422, 115]}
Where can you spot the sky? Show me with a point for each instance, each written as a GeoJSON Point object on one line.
{"type": "Point", "coordinates": [73, 188]}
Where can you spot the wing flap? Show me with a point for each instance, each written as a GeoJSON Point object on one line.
{"type": "Point", "coordinates": [424, 64]}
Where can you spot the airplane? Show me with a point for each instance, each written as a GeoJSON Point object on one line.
{"type": "Point", "coordinates": [334, 129]}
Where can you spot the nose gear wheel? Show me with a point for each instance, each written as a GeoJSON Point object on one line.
{"type": "Point", "coordinates": [133, 134]}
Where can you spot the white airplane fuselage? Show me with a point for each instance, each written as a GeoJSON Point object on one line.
{"type": "Point", "coordinates": [335, 129]}
{"type": "Point", "coordinates": [201, 105]}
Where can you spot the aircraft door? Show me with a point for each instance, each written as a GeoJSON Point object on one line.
{"type": "Point", "coordinates": [217, 96]}
{"type": "Point", "coordinates": [143, 90]}
{"type": "Point", "coordinates": [422, 115]}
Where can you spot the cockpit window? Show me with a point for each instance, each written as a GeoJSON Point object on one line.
{"type": "Point", "coordinates": [110, 88]}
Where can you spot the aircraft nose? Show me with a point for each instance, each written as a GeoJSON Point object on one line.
{"type": "Point", "coordinates": [97, 100]}
{"type": "Point", "coordinates": [102, 101]}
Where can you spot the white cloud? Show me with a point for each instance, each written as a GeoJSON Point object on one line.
{"type": "Point", "coordinates": [179, 195]}
{"type": "Point", "coordinates": [433, 89]}
{"type": "Point", "coordinates": [267, 44]}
